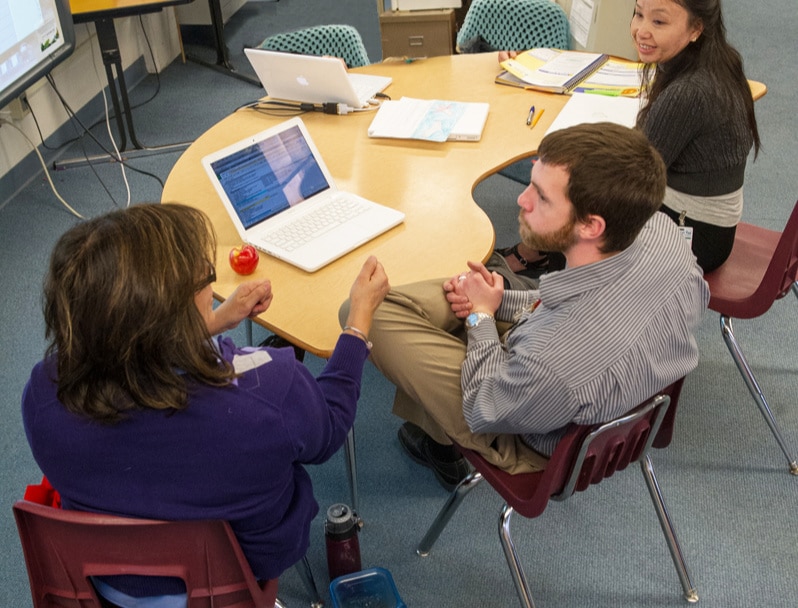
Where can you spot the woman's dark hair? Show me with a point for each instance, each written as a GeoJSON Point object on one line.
{"type": "Point", "coordinates": [120, 314]}
{"type": "Point", "coordinates": [712, 52]}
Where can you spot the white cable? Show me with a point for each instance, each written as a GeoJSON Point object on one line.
{"type": "Point", "coordinates": [108, 125]}
{"type": "Point", "coordinates": [3, 121]}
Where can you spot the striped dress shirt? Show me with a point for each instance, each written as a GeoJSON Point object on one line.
{"type": "Point", "coordinates": [604, 338]}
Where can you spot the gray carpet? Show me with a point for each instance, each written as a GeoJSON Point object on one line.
{"type": "Point", "coordinates": [724, 478]}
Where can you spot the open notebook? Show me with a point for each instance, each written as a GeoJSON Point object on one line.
{"type": "Point", "coordinates": [283, 200]}
{"type": "Point", "coordinates": [313, 79]}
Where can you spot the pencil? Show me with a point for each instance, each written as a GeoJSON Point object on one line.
{"type": "Point", "coordinates": [537, 118]}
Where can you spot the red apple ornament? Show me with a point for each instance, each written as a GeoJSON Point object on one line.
{"type": "Point", "coordinates": [244, 259]}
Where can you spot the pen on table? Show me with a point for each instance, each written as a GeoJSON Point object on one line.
{"type": "Point", "coordinates": [537, 118]}
{"type": "Point", "coordinates": [530, 115]}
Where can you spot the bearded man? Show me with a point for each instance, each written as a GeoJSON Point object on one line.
{"type": "Point", "coordinates": [504, 371]}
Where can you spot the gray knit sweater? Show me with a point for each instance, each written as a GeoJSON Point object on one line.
{"type": "Point", "coordinates": [702, 134]}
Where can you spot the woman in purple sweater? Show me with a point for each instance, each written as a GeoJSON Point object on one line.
{"type": "Point", "coordinates": [136, 410]}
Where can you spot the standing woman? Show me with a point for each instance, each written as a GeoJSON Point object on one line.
{"type": "Point", "coordinates": [699, 115]}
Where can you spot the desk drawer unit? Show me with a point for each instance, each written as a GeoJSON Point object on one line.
{"type": "Point", "coordinates": [417, 33]}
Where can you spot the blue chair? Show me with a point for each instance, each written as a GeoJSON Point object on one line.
{"type": "Point", "coordinates": [515, 25]}
{"type": "Point", "coordinates": [342, 41]}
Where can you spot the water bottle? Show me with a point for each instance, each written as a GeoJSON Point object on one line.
{"type": "Point", "coordinates": [340, 534]}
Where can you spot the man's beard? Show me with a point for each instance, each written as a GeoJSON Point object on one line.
{"type": "Point", "coordinates": [557, 240]}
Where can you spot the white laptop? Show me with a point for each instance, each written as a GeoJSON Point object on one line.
{"type": "Point", "coordinates": [313, 79]}
{"type": "Point", "coordinates": [283, 200]}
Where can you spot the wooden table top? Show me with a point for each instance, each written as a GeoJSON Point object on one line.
{"type": "Point", "coordinates": [88, 10]}
{"type": "Point", "coordinates": [431, 182]}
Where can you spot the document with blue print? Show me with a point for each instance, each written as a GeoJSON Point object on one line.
{"type": "Point", "coordinates": [429, 120]}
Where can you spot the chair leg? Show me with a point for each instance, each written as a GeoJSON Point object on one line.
{"type": "Point", "coordinates": [306, 574]}
{"type": "Point", "coordinates": [278, 603]}
{"type": "Point", "coordinates": [513, 562]}
{"type": "Point", "coordinates": [446, 512]}
{"type": "Point", "coordinates": [753, 387]}
{"type": "Point", "coordinates": [647, 467]}
{"type": "Point", "coordinates": [247, 325]}
{"type": "Point", "coordinates": [351, 469]}
{"type": "Point", "coordinates": [795, 288]}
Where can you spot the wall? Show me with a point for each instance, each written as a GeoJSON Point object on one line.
{"type": "Point", "coordinates": [80, 79]}
{"type": "Point", "coordinates": [605, 23]}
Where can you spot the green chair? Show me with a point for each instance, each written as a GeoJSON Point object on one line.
{"type": "Point", "coordinates": [514, 25]}
{"type": "Point", "coordinates": [342, 41]}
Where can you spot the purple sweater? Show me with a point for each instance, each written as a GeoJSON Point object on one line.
{"type": "Point", "coordinates": [236, 453]}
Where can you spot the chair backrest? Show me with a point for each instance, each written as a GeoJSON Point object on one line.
{"type": "Point", "coordinates": [342, 41]}
{"type": "Point", "coordinates": [63, 548]}
{"type": "Point", "coordinates": [782, 271]}
{"type": "Point", "coordinates": [587, 454]}
{"type": "Point", "coordinates": [515, 25]}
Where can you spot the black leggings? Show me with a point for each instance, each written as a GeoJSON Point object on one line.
{"type": "Point", "coordinates": [711, 244]}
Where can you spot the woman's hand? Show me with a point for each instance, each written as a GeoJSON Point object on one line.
{"type": "Point", "coordinates": [248, 300]}
{"type": "Point", "coordinates": [367, 293]}
{"type": "Point", "coordinates": [505, 55]}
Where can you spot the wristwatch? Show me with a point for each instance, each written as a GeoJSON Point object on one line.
{"type": "Point", "coordinates": [475, 318]}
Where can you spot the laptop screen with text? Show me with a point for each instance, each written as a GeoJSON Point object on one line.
{"type": "Point", "coordinates": [270, 176]}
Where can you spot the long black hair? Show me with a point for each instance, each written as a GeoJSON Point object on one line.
{"type": "Point", "coordinates": [712, 53]}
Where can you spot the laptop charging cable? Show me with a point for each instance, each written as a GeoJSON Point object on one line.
{"type": "Point", "coordinates": [335, 108]}
{"type": "Point", "coordinates": [273, 106]}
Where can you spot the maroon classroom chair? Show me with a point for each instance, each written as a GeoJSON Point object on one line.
{"type": "Point", "coordinates": [64, 548]}
{"type": "Point", "coordinates": [585, 455]}
{"type": "Point", "coordinates": [762, 268]}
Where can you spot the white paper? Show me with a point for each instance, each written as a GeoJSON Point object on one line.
{"type": "Point", "coordinates": [581, 20]}
{"type": "Point", "coordinates": [245, 362]}
{"type": "Point", "coordinates": [588, 108]}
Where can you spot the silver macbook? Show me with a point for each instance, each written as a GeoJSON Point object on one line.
{"type": "Point", "coordinates": [313, 79]}
{"type": "Point", "coordinates": [283, 200]}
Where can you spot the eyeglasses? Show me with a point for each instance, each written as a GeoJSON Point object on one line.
{"type": "Point", "coordinates": [211, 278]}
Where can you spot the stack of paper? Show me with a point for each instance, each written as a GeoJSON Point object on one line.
{"type": "Point", "coordinates": [585, 108]}
{"type": "Point", "coordinates": [430, 120]}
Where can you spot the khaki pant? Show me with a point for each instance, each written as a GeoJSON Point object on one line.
{"type": "Point", "coordinates": [419, 345]}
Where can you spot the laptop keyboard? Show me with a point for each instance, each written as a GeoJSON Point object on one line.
{"type": "Point", "coordinates": [323, 218]}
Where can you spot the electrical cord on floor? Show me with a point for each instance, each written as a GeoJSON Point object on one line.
{"type": "Point", "coordinates": [87, 131]}
{"type": "Point", "coordinates": [132, 107]}
{"type": "Point", "coordinates": [3, 121]}
{"type": "Point", "coordinates": [117, 155]}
